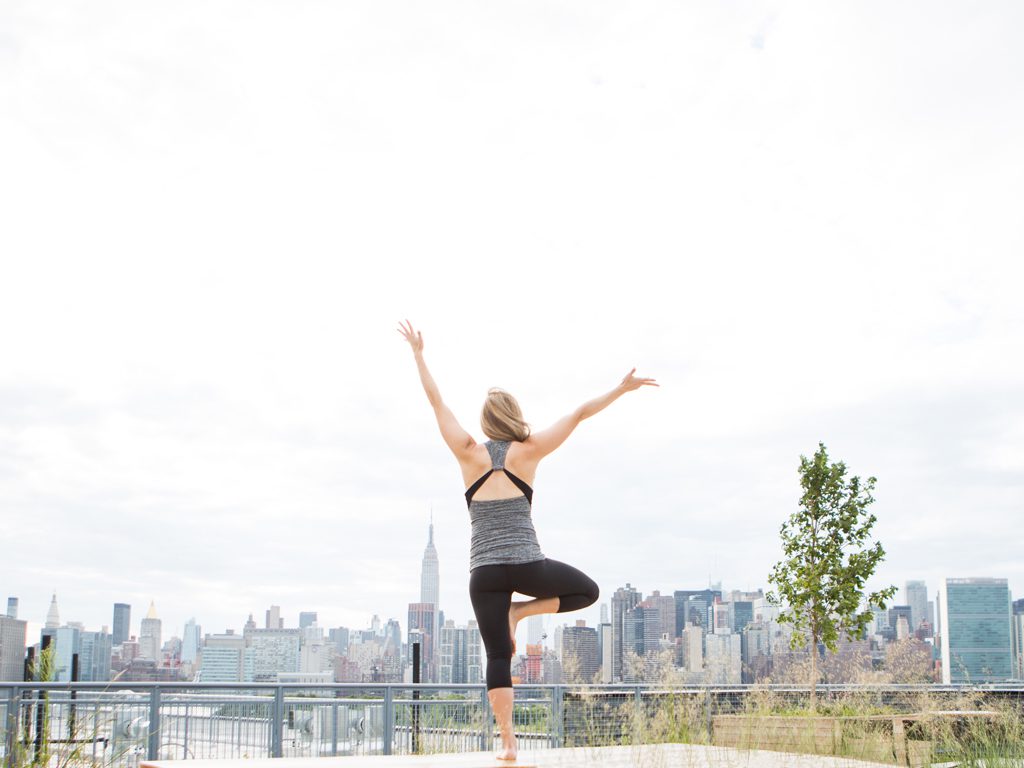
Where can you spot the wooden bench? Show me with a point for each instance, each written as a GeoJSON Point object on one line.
{"type": "Point", "coordinates": [900, 723]}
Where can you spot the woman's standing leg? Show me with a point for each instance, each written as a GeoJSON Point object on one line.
{"type": "Point", "coordinates": [491, 601]}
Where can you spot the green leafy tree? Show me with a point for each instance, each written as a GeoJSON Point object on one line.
{"type": "Point", "coordinates": [827, 558]}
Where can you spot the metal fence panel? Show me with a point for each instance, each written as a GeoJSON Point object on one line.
{"type": "Point", "coordinates": [117, 724]}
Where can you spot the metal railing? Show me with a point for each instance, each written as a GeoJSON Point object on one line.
{"type": "Point", "coordinates": [120, 723]}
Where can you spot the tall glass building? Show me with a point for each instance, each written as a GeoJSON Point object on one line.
{"type": "Point", "coordinates": [12, 648]}
{"type": "Point", "coordinates": [1018, 639]}
{"type": "Point", "coordinates": [66, 642]}
{"type": "Point", "coordinates": [917, 598]}
{"type": "Point", "coordinates": [624, 600]}
{"type": "Point", "coordinates": [976, 637]}
{"type": "Point", "coordinates": [94, 660]}
{"type": "Point", "coordinates": [122, 623]}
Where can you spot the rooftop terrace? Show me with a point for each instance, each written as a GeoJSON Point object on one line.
{"type": "Point", "coordinates": [640, 756]}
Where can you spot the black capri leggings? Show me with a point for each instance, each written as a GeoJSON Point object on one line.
{"type": "Point", "coordinates": [491, 588]}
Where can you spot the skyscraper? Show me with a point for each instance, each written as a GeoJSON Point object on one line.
{"type": "Point", "coordinates": [459, 654]}
{"type": "Point", "coordinates": [339, 636]}
{"type": "Point", "coordinates": [307, 619]}
{"type": "Point", "coordinates": [976, 642]}
{"type": "Point", "coordinates": [273, 651]}
{"type": "Point", "coordinates": [742, 614]}
{"type": "Point", "coordinates": [580, 653]}
{"type": "Point", "coordinates": [692, 605]}
{"type": "Point", "coordinates": [122, 626]}
{"type": "Point", "coordinates": [224, 659]}
{"type": "Point", "coordinates": [150, 636]}
{"type": "Point", "coordinates": [641, 631]}
{"type": "Point", "coordinates": [12, 607]}
{"type": "Point", "coordinates": [898, 612]}
{"type": "Point", "coordinates": [604, 637]}
{"type": "Point", "coordinates": [624, 599]}
{"type": "Point", "coordinates": [190, 642]}
{"type": "Point", "coordinates": [430, 575]}
{"type": "Point", "coordinates": [917, 599]}
{"type": "Point", "coordinates": [66, 642]}
{"type": "Point", "coordinates": [723, 658]}
{"type": "Point", "coordinates": [666, 607]}
{"type": "Point", "coordinates": [430, 590]}
{"type": "Point", "coordinates": [422, 623]}
{"type": "Point", "coordinates": [52, 615]}
{"type": "Point", "coordinates": [12, 648]}
{"type": "Point", "coordinates": [94, 661]}
{"type": "Point", "coordinates": [693, 645]}
{"type": "Point", "coordinates": [274, 620]}
{"type": "Point", "coordinates": [1018, 638]}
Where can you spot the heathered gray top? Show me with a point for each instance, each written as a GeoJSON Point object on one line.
{"type": "Point", "coordinates": [502, 528]}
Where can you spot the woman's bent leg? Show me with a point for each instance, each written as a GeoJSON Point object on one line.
{"type": "Point", "coordinates": [551, 578]}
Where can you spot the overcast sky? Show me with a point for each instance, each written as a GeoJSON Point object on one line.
{"type": "Point", "coordinates": [804, 219]}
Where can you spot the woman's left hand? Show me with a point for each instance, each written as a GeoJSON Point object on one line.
{"type": "Point", "coordinates": [631, 382]}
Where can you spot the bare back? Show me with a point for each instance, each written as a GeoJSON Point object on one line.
{"type": "Point", "coordinates": [521, 461]}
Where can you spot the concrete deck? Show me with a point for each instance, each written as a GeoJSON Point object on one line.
{"type": "Point", "coordinates": [645, 756]}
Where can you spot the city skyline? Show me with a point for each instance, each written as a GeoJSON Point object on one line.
{"type": "Point", "coordinates": [971, 631]}
{"type": "Point", "coordinates": [906, 591]}
{"type": "Point", "coordinates": [803, 221]}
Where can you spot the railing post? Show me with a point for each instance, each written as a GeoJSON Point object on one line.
{"type": "Point", "coordinates": [334, 729]}
{"type": "Point", "coordinates": [639, 716]}
{"type": "Point", "coordinates": [12, 726]}
{"type": "Point", "coordinates": [277, 723]}
{"type": "Point", "coordinates": [558, 716]}
{"type": "Point", "coordinates": [485, 723]}
{"type": "Point", "coordinates": [707, 714]}
{"type": "Point", "coordinates": [153, 749]}
{"type": "Point", "coordinates": [389, 720]}
{"type": "Point", "coordinates": [184, 738]}
{"type": "Point", "coordinates": [415, 748]}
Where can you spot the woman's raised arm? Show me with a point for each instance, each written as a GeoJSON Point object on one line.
{"type": "Point", "coordinates": [547, 440]}
{"type": "Point", "coordinates": [457, 439]}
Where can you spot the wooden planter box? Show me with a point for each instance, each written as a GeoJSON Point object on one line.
{"type": "Point", "coordinates": [877, 738]}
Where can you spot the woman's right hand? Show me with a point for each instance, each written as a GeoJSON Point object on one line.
{"type": "Point", "coordinates": [415, 338]}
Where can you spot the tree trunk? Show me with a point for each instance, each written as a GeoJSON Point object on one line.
{"type": "Point", "coordinates": [814, 674]}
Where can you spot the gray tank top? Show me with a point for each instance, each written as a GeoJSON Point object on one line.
{"type": "Point", "coordinates": [502, 529]}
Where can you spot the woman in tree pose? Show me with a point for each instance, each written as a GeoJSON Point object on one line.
{"type": "Point", "coordinates": [504, 555]}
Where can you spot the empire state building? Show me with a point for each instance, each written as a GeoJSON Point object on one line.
{"type": "Point", "coordinates": [430, 577]}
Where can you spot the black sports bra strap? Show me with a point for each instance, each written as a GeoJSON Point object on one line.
{"type": "Point", "coordinates": [521, 485]}
{"type": "Point", "coordinates": [497, 451]}
{"type": "Point", "coordinates": [476, 486]}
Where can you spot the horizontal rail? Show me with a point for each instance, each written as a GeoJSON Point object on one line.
{"type": "Point", "coordinates": [446, 687]}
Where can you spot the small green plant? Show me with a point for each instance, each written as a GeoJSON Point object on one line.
{"type": "Point", "coordinates": [58, 732]}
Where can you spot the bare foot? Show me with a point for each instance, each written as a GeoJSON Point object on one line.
{"type": "Point", "coordinates": [506, 754]}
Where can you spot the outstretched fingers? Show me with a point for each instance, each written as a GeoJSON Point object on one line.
{"type": "Point", "coordinates": [414, 337]}
{"type": "Point", "coordinates": [635, 382]}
